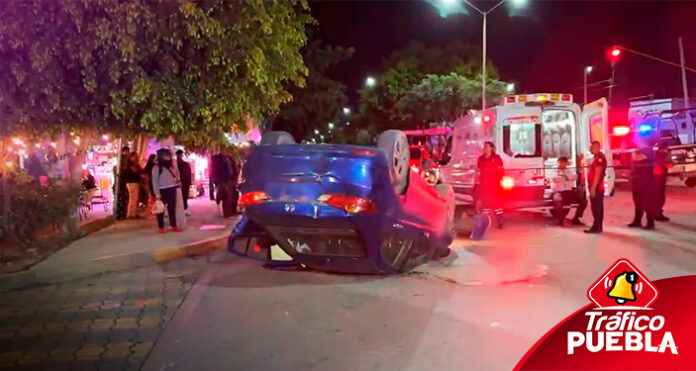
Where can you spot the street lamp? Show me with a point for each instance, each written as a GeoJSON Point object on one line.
{"type": "Point", "coordinates": [331, 125]}
{"type": "Point", "coordinates": [510, 87]}
{"type": "Point", "coordinates": [370, 81]}
{"type": "Point", "coordinates": [485, 17]}
{"type": "Point", "coordinates": [587, 71]}
{"type": "Point", "coordinates": [316, 132]}
{"type": "Point", "coordinates": [346, 111]}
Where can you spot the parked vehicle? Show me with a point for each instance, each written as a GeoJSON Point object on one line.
{"type": "Point", "coordinates": [664, 122]}
{"type": "Point", "coordinates": [340, 208]}
{"type": "Point", "coordinates": [530, 132]}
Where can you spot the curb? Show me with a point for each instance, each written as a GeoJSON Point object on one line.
{"type": "Point", "coordinates": [25, 279]}
{"type": "Point", "coordinates": [191, 249]}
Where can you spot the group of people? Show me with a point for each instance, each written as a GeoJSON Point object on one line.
{"type": "Point", "coordinates": [161, 179]}
{"type": "Point", "coordinates": [648, 179]}
{"type": "Point", "coordinates": [567, 187]}
{"type": "Point", "coordinates": [648, 184]}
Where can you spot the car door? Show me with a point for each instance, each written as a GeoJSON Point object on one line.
{"type": "Point", "coordinates": [595, 126]}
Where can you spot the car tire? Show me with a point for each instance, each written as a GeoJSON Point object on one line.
{"type": "Point", "coordinates": [447, 192]}
{"type": "Point", "coordinates": [277, 138]}
{"type": "Point", "coordinates": [395, 146]}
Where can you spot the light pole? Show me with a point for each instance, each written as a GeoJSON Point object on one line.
{"type": "Point", "coordinates": [485, 19]}
{"type": "Point", "coordinates": [586, 71]}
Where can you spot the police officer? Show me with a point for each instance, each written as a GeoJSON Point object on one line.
{"type": "Point", "coordinates": [489, 190]}
{"type": "Point", "coordinates": [643, 185]}
{"type": "Point", "coordinates": [595, 178]}
{"type": "Point", "coordinates": [660, 177]}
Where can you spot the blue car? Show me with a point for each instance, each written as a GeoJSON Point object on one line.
{"type": "Point", "coordinates": [340, 208]}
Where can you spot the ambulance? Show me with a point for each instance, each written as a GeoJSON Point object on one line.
{"type": "Point", "coordinates": [530, 132]}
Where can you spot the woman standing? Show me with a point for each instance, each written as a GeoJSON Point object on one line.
{"type": "Point", "coordinates": [166, 184]}
{"type": "Point", "coordinates": [132, 180]}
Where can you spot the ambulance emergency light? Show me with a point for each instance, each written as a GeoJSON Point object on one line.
{"type": "Point", "coordinates": [542, 97]}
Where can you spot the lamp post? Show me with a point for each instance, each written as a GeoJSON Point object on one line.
{"type": "Point", "coordinates": [485, 19]}
{"type": "Point", "coordinates": [586, 71]}
{"type": "Point", "coordinates": [370, 81]}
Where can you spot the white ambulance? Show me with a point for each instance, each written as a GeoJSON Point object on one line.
{"type": "Point", "coordinates": [530, 132]}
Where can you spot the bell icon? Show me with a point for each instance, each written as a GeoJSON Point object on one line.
{"type": "Point", "coordinates": [622, 289]}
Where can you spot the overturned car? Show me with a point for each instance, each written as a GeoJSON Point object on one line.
{"type": "Point", "coordinates": [340, 208]}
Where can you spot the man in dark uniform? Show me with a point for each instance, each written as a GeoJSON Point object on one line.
{"type": "Point", "coordinates": [489, 189]}
{"type": "Point", "coordinates": [660, 177]}
{"type": "Point", "coordinates": [186, 178]}
{"type": "Point", "coordinates": [598, 168]}
{"type": "Point", "coordinates": [643, 185]}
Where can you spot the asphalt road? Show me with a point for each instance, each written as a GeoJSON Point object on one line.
{"type": "Point", "coordinates": [479, 309]}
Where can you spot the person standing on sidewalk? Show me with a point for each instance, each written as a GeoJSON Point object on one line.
{"type": "Point", "coordinates": [131, 177]}
{"type": "Point", "coordinates": [147, 183]}
{"type": "Point", "coordinates": [120, 191]}
{"type": "Point", "coordinates": [166, 184]}
{"type": "Point", "coordinates": [234, 190]}
{"type": "Point", "coordinates": [643, 185]}
{"type": "Point", "coordinates": [489, 190]}
{"type": "Point", "coordinates": [186, 181]}
{"type": "Point", "coordinates": [660, 177]}
{"type": "Point", "coordinates": [598, 169]}
{"type": "Point", "coordinates": [222, 176]}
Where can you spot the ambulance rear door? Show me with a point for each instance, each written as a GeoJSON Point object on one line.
{"type": "Point", "coordinates": [595, 126]}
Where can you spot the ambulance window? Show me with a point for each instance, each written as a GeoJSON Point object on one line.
{"type": "Point", "coordinates": [557, 133]}
{"type": "Point", "coordinates": [596, 127]}
{"type": "Point", "coordinates": [521, 140]}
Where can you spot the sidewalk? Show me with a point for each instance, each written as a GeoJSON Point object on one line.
{"type": "Point", "coordinates": [126, 245]}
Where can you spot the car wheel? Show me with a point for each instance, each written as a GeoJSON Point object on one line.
{"type": "Point", "coordinates": [276, 138]}
{"type": "Point", "coordinates": [447, 192]}
{"type": "Point", "coordinates": [395, 147]}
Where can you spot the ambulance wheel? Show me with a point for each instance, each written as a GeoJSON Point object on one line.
{"type": "Point", "coordinates": [395, 147]}
{"type": "Point", "coordinates": [447, 192]}
{"type": "Point", "coordinates": [276, 138]}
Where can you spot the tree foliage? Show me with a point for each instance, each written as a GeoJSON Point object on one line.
{"type": "Point", "coordinates": [321, 100]}
{"type": "Point", "coordinates": [444, 98]}
{"type": "Point", "coordinates": [191, 69]}
{"type": "Point", "coordinates": [419, 77]}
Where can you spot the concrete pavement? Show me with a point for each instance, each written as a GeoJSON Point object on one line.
{"type": "Point", "coordinates": [126, 245]}
{"type": "Point", "coordinates": [481, 309]}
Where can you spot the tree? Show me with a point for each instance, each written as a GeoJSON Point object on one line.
{"type": "Point", "coordinates": [321, 100]}
{"type": "Point", "coordinates": [444, 98]}
{"type": "Point", "coordinates": [409, 67]}
{"type": "Point", "coordinates": [191, 69]}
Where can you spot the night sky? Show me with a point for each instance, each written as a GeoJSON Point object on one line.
{"type": "Point", "coordinates": [543, 48]}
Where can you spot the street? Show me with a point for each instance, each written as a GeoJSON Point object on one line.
{"type": "Point", "coordinates": [483, 309]}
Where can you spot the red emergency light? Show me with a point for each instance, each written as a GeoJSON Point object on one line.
{"type": "Point", "coordinates": [621, 130]}
{"type": "Point", "coordinates": [486, 118]}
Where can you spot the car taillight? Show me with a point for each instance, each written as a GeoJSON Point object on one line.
{"type": "Point", "coordinates": [350, 204]}
{"type": "Point", "coordinates": [507, 182]}
{"type": "Point", "coordinates": [252, 198]}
